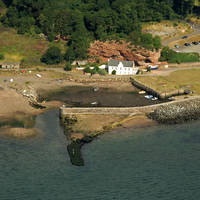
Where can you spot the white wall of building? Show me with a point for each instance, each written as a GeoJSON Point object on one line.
{"type": "Point", "coordinates": [121, 70]}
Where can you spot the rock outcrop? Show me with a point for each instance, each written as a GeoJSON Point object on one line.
{"type": "Point", "coordinates": [122, 51]}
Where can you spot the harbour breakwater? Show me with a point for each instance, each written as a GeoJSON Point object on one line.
{"type": "Point", "coordinates": [70, 111]}
{"type": "Point", "coordinates": [178, 112]}
{"type": "Point", "coordinates": [171, 113]}
{"type": "Point", "coordinates": [160, 95]}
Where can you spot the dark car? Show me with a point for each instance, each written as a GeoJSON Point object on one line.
{"type": "Point", "coordinates": [185, 36]}
{"type": "Point", "coordinates": [187, 44]}
{"type": "Point", "coordinates": [195, 43]}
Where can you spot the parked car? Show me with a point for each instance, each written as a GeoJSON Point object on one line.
{"type": "Point", "coordinates": [195, 43]}
{"type": "Point", "coordinates": [176, 46]}
{"type": "Point", "coordinates": [187, 44]}
{"type": "Point", "coordinates": [184, 37]}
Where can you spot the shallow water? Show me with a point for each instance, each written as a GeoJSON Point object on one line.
{"type": "Point", "coordinates": [160, 163]}
{"type": "Point", "coordinates": [80, 96]}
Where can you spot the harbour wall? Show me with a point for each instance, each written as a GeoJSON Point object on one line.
{"type": "Point", "coordinates": [64, 111]}
{"type": "Point", "coordinates": [160, 95]}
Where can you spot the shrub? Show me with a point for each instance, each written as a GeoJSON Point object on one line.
{"type": "Point", "coordinates": [87, 70]}
{"type": "Point", "coordinates": [113, 72]}
{"type": "Point", "coordinates": [171, 56]}
{"type": "Point", "coordinates": [93, 71]}
{"type": "Point", "coordinates": [1, 56]}
{"type": "Point", "coordinates": [68, 67]}
{"type": "Point", "coordinates": [102, 72]}
{"type": "Point", "coordinates": [148, 69]}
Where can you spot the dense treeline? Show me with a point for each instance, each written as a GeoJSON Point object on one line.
{"type": "Point", "coordinates": [82, 21]}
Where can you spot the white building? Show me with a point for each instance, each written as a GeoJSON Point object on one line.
{"type": "Point", "coordinates": [122, 67]}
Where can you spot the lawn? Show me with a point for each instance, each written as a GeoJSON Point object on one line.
{"type": "Point", "coordinates": [176, 80]}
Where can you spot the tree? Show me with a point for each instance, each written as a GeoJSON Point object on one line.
{"type": "Point", "coordinates": [52, 56]}
{"type": "Point", "coordinates": [157, 42]}
{"type": "Point", "coordinates": [78, 47]}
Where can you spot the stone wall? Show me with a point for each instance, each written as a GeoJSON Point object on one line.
{"type": "Point", "coordinates": [158, 94]}
{"type": "Point", "coordinates": [117, 111]}
{"type": "Point", "coordinates": [81, 78]}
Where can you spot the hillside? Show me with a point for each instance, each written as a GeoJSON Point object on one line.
{"type": "Point", "coordinates": [23, 48]}
{"type": "Point", "coordinates": [94, 19]}
{"type": "Point", "coordinates": [167, 29]}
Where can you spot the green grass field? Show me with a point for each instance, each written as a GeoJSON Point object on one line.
{"type": "Point", "coordinates": [176, 80]}
{"type": "Point", "coordinates": [18, 48]}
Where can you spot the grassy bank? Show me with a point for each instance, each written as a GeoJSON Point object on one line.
{"type": "Point", "coordinates": [172, 56]}
{"type": "Point", "coordinates": [176, 80]}
{"type": "Point", "coordinates": [23, 48]}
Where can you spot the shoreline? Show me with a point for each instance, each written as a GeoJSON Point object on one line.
{"type": "Point", "coordinates": [78, 140]}
{"type": "Point", "coordinates": [18, 105]}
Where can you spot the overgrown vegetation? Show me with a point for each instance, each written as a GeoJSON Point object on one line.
{"type": "Point", "coordinates": [94, 69]}
{"type": "Point", "coordinates": [82, 21]}
{"type": "Point", "coordinates": [68, 67]}
{"type": "Point", "coordinates": [171, 56]}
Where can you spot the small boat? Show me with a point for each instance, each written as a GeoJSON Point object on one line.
{"type": "Point", "coordinates": [96, 89]}
{"type": "Point", "coordinates": [148, 96]}
{"type": "Point", "coordinates": [142, 92]}
{"type": "Point", "coordinates": [153, 67]}
{"type": "Point", "coordinates": [38, 75]}
{"type": "Point", "coordinates": [154, 99]}
{"type": "Point", "coordinates": [94, 103]}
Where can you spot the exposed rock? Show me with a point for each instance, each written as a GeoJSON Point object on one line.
{"type": "Point", "coordinates": [122, 51]}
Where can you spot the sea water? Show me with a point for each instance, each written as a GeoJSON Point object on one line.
{"type": "Point", "coordinates": [157, 163]}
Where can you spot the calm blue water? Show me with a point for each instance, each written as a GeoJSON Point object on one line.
{"type": "Point", "coordinates": [160, 163]}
